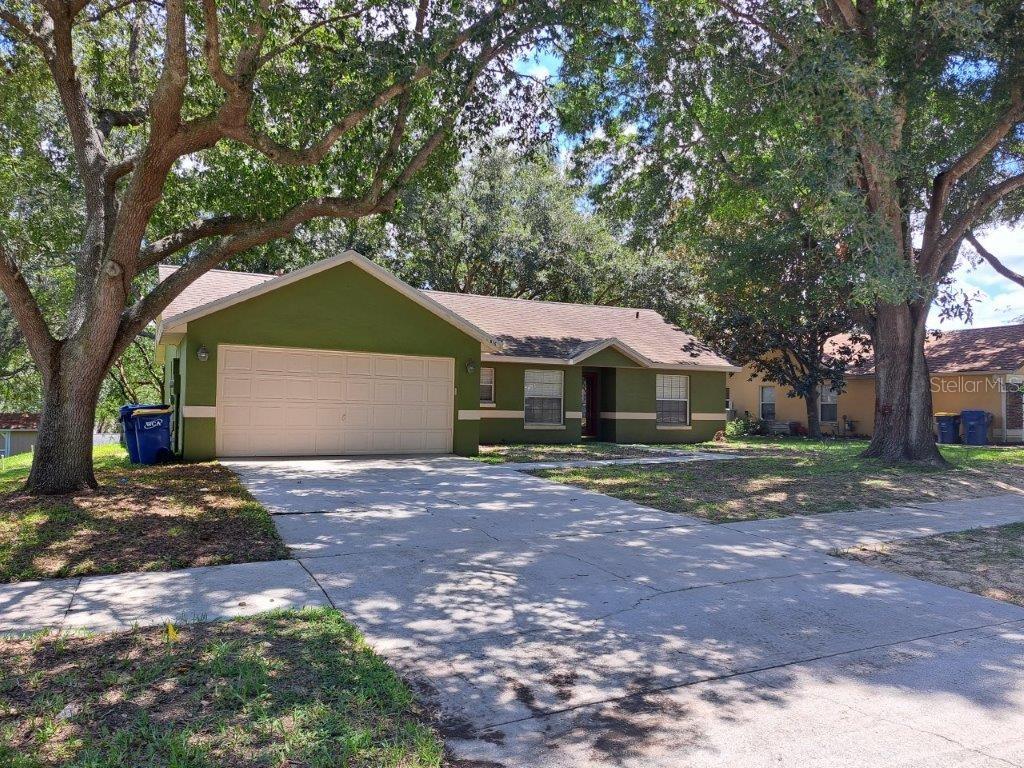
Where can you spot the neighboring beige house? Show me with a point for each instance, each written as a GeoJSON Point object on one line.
{"type": "Point", "coordinates": [979, 368]}
{"type": "Point", "coordinates": [18, 432]}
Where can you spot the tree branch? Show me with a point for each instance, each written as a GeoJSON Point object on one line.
{"type": "Point", "coordinates": [944, 181]}
{"type": "Point", "coordinates": [38, 338]}
{"type": "Point", "coordinates": [193, 232]}
{"type": "Point", "coordinates": [963, 224]}
{"type": "Point", "coordinates": [994, 262]}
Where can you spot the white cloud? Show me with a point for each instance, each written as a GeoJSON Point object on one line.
{"type": "Point", "coordinates": [1000, 301]}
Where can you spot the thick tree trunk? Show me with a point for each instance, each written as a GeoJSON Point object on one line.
{"type": "Point", "coordinates": [903, 398]}
{"type": "Point", "coordinates": [62, 462]}
{"type": "Point", "coordinates": [813, 416]}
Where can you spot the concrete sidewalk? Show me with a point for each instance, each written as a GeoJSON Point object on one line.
{"type": "Point", "coordinates": [126, 599]}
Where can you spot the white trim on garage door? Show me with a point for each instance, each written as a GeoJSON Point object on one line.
{"type": "Point", "coordinates": [274, 401]}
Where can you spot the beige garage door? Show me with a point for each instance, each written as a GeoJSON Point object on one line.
{"type": "Point", "coordinates": [296, 402]}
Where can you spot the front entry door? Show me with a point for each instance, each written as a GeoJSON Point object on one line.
{"type": "Point", "coordinates": [591, 404]}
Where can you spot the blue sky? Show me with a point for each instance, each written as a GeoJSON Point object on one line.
{"type": "Point", "coordinates": [1000, 301]}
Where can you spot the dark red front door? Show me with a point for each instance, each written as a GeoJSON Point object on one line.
{"type": "Point", "coordinates": [591, 404]}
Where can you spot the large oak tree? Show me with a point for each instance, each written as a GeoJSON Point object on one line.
{"type": "Point", "coordinates": [902, 121]}
{"type": "Point", "coordinates": [136, 132]}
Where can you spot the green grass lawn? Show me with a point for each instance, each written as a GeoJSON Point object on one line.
{"type": "Point", "coordinates": [517, 453]}
{"type": "Point", "coordinates": [141, 519]}
{"type": "Point", "coordinates": [288, 688]}
{"type": "Point", "coordinates": [776, 477]}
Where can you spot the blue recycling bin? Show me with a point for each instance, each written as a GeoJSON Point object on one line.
{"type": "Point", "coordinates": [976, 426]}
{"type": "Point", "coordinates": [949, 427]}
{"type": "Point", "coordinates": [147, 433]}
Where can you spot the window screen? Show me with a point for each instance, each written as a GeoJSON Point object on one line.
{"type": "Point", "coordinates": [673, 399]}
{"type": "Point", "coordinates": [486, 385]}
{"type": "Point", "coordinates": [768, 403]}
{"type": "Point", "coordinates": [828, 405]}
{"type": "Point", "coordinates": [543, 397]}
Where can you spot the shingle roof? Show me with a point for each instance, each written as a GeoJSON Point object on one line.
{"type": "Point", "coordinates": [21, 421]}
{"type": "Point", "coordinates": [526, 328]}
{"type": "Point", "coordinates": [213, 285]}
{"type": "Point", "coordinates": [529, 328]}
{"type": "Point", "coordinates": [970, 350]}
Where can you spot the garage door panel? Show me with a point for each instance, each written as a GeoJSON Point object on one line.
{"type": "Point", "coordinates": [439, 393]}
{"type": "Point", "coordinates": [330, 364]}
{"type": "Point", "coordinates": [269, 359]}
{"type": "Point", "coordinates": [357, 415]}
{"type": "Point", "coordinates": [359, 390]}
{"type": "Point", "coordinates": [440, 369]}
{"type": "Point", "coordinates": [300, 362]}
{"type": "Point", "coordinates": [237, 388]}
{"type": "Point", "coordinates": [235, 359]}
{"type": "Point", "coordinates": [269, 388]}
{"type": "Point", "coordinates": [300, 389]}
{"type": "Point", "coordinates": [359, 365]}
{"type": "Point", "coordinates": [330, 389]}
{"type": "Point", "coordinates": [383, 417]}
{"type": "Point", "coordinates": [314, 402]}
{"type": "Point", "coordinates": [414, 392]}
{"type": "Point", "coordinates": [385, 391]}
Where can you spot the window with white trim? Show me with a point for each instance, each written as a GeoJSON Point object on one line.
{"type": "Point", "coordinates": [768, 403]}
{"type": "Point", "coordinates": [828, 405]}
{"type": "Point", "coordinates": [542, 398]}
{"type": "Point", "coordinates": [5, 442]}
{"type": "Point", "coordinates": [728, 400]}
{"type": "Point", "coordinates": [673, 399]}
{"type": "Point", "coordinates": [486, 386]}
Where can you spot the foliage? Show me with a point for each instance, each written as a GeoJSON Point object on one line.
{"type": "Point", "coordinates": [762, 295]}
{"type": "Point", "coordinates": [512, 225]}
{"type": "Point", "coordinates": [744, 426]}
{"type": "Point", "coordinates": [135, 133]}
{"type": "Point", "coordinates": [893, 128]}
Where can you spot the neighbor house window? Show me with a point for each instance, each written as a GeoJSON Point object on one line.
{"type": "Point", "coordinates": [542, 398]}
{"type": "Point", "coordinates": [5, 443]}
{"type": "Point", "coordinates": [768, 403]}
{"type": "Point", "coordinates": [728, 400]}
{"type": "Point", "coordinates": [673, 399]}
{"type": "Point", "coordinates": [487, 386]}
{"type": "Point", "coordinates": [828, 405]}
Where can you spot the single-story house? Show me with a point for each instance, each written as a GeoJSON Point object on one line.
{"type": "Point", "coordinates": [974, 368]}
{"type": "Point", "coordinates": [18, 432]}
{"type": "Point", "coordinates": [342, 357]}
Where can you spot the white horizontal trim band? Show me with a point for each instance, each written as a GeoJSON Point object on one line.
{"type": "Point", "coordinates": [628, 415]}
{"type": "Point", "coordinates": [708, 416]}
{"type": "Point", "coordinates": [199, 411]}
{"type": "Point", "coordinates": [469, 415]}
{"type": "Point", "coordinates": [574, 414]}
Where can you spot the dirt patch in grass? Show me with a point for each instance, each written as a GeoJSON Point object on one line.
{"type": "Point", "coordinates": [140, 519]}
{"type": "Point", "coordinates": [776, 480]}
{"type": "Point", "coordinates": [281, 689]}
{"type": "Point", "coordinates": [518, 453]}
{"type": "Point", "coordinates": [986, 561]}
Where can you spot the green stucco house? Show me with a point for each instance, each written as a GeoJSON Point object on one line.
{"type": "Point", "coordinates": [341, 357]}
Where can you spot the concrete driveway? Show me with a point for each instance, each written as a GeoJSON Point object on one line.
{"type": "Point", "coordinates": [557, 627]}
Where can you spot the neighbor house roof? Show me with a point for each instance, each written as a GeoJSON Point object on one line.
{"type": "Point", "coordinates": [509, 329]}
{"type": "Point", "coordinates": [969, 350]}
{"type": "Point", "coordinates": [19, 421]}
